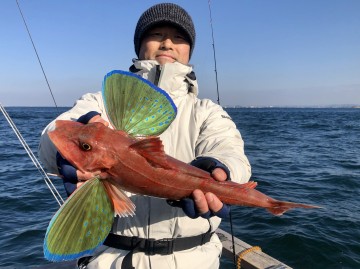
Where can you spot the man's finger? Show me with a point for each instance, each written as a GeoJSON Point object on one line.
{"type": "Point", "coordinates": [200, 202]}
{"type": "Point", "coordinates": [79, 184]}
{"type": "Point", "coordinates": [219, 174]}
{"type": "Point", "coordinates": [98, 118]}
{"type": "Point", "coordinates": [213, 202]}
{"type": "Point", "coordinates": [86, 175]}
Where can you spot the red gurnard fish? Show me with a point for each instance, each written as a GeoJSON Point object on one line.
{"type": "Point", "coordinates": [131, 158]}
{"type": "Point", "coordinates": [141, 166]}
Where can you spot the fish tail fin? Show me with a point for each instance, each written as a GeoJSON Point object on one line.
{"type": "Point", "coordinates": [135, 105]}
{"type": "Point", "coordinates": [81, 224]}
{"type": "Point", "coordinates": [279, 207]}
{"type": "Point", "coordinates": [123, 206]}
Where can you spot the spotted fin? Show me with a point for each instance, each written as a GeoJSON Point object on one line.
{"type": "Point", "coordinates": [81, 224]}
{"type": "Point", "coordinates": [135, 105]}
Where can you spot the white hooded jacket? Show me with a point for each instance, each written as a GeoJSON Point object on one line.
{"type": "Point", "coordinates": [201, 128]}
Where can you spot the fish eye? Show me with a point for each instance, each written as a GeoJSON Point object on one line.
{"type": "Point", "coordinates": [85, 146]}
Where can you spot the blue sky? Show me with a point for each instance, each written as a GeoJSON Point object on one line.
{"type": "Point", "coordinates": [269, 52]}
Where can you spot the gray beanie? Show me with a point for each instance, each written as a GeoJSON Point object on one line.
{"type": "Point", "coordinates": [164, 13]}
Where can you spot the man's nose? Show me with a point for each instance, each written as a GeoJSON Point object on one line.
{"type": "Point", "coordinates": [166, 43]}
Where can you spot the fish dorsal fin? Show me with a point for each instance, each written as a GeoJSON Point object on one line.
{"type": "Point", "coordinates": [152, 150]}
{"type": "Point", "coordinates": [81, 224]}
{"type": "Point", "coordinates": [250, 184]}
{"type": "Point", "coordinates": [135, 105]}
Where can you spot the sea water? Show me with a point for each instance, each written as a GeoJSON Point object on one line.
{"type": "Point", "coordinates": [304, 155]}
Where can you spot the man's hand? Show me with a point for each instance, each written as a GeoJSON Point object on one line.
{"type": "Point", "coordinates": [83, 176]}
{"type": "Point", "coordinates": [98, 118]}
{"type": "Point", "coordinates": [205, 205]}
{"type": "Point", "coordinates": [209, 202]}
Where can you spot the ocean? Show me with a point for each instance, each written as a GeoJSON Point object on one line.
{"type": "Point", "coordinates": [306, 155]}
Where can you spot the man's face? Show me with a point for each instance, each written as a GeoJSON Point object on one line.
{"type": "Point", "coordinates": [165, 44]}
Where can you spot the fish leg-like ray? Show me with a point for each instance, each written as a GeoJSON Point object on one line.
{"type": "Point", "coordinates": [122, 204]}
{"type": "Point", "coordinates": [135, 105]}
{"type": "Point", "coordinates": [81, 224]}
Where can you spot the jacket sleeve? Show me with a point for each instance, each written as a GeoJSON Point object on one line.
{"type": "Point", "coordinates": [220, 139]}
{"type": "Point", "coordinates": [47, 150]}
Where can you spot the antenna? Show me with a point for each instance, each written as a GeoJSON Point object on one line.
{"type": "Point", "coordinates": [213, 44]}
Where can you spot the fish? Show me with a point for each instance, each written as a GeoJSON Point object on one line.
{"type": "Point", "coordinates": [131, 158]}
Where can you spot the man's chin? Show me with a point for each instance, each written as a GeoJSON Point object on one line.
{"type": "Point", "coordinates": [164, 60]}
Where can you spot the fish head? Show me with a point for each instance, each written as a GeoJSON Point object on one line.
{"type": "Point", "coordinates": [88, 147]}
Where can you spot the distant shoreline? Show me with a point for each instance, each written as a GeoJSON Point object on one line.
{"type": "Point", "coordinates": [312, 107]}
{"type": "Point", "coordinates": [224, 106]}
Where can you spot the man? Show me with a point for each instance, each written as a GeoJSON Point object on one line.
{"type": "Point", "coordinates": [202, 134]}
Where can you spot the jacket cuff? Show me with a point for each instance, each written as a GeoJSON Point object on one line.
{"type": "Point", "coordinates": [66, 169]}
{"type": "Point", "coordinates": [87, 117]}
{"type": "Point", "coordinates": [69, 188]}
{"type": "Point", "coordinates": [209, 164]}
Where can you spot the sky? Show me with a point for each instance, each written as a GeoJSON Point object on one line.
{"type": "Point", "coordinates": [268, 52]}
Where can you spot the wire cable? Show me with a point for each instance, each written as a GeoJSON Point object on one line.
{"type": "Point", "coordinates": [37, 55]}
{"type": "Point", "coordinates": [32, 156]}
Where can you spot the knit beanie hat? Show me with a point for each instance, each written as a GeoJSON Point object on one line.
{"type": "Point", "coordinates": [164, 13]}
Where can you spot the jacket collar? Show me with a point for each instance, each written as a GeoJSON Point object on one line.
{"type": "Point", "coordinates": [175, 78]}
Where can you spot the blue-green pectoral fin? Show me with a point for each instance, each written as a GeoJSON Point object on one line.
{"type": "Point", "coordinates": [135, 105]}
{"type": "Point", "coordinates": [81, 224]}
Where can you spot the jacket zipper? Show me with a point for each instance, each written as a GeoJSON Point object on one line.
{"type": "Point", "coordinates": [157, 75]}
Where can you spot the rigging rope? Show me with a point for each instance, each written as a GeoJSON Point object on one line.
{"type": "Point", "coordinates": [218, 100]}
{"type": "Point", "coordinates": [32, 156]}
{"type": "Point", "coordinates": [37, 55]}
{"type": "Point", "coordinates": [37, 164]}
{"type": "Point", "coordinates": [244, 252]}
